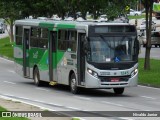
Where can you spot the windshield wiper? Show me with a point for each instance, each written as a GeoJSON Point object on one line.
{"type": "Point", "coordinates": [105, 41]}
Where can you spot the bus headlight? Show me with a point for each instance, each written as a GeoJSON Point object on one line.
{"type": "Point", "coordinates": [93, 73]}
{"type": "Point", "coordinates": [134, 72]}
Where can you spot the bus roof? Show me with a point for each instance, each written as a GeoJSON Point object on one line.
{"type": "Point", "coordinates": [67, 24]}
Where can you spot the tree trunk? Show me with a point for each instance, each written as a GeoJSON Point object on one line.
{"type": "Point", "coordinates": [148, 6]}
{"type": "Point", "coordinates": [147, 59]}
{"type": "Point", "coordinates": [11, 32]}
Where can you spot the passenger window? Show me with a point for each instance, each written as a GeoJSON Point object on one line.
{"type": "Point", "coordinates": [67, 40]}
{"type": "Point", "coordinates": [18, 36]}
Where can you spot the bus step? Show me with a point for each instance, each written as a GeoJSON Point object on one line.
{"type": "Point", "coordinates": [52, 83]}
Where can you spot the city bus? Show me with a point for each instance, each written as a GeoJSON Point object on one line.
{"type": "Point", "coordinates": [96, 55]}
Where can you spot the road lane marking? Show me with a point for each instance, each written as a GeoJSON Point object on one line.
{"type": "Point", "coordinates": [112, 103]}
{"type": "Point", "coordinates": [149, 87]}
{"type": "Point", "coordinates": [83, 98]}
{"type": "Point", "coordinates": [6, 59]}
{"type": "Point", "coordinates": [147, 110]}
{"type": "Point", "coordinates": [57, 105]}
{"type": "Point", "coordinates": [148, 97]}
{"type": "Point", "coordinates": [11, 71]}
{"type": "Point", "coordinates": [9, 82]}
{"type": "Point", "coordinates": [123, 118]}
{"type": "Point", "coordinates": [42, 89]}
{"type": "Point", "coordinates": [73, 108]}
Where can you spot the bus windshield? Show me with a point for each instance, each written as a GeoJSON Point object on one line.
{"type": "Point", "coordinates": [111, 49]}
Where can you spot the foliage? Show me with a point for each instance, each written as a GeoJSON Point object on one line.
{"type": "Point", "coordinates": [116, 7]}
{"type": "Point", "coordinates": [10, 10]}
{"type": "Point", "coordinates": [20, 8]}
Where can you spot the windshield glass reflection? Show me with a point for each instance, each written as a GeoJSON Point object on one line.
{"type": "Point", "coordinates": [110, 49]}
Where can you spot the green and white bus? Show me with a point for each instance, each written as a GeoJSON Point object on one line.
{"type": "Point", "coordinates": [78, 54]}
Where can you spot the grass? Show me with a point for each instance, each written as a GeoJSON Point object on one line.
{"type": "Point", "coordinates": [6, 48]}
{"type": "Point", "coordinates": [136, 17]}
{"type": "Point", "coordinates": [149, 77]}
{"type": "Point", "coordinates": [75, 119]}
{"type": "Point", "coordinates": [10, 118]}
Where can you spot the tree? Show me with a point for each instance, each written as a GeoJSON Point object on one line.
{"type": "Point", "coordinates": [10, 10]}
{"type": "Point", "coordinates": [149, 10]}
{"type": "Point", "coordinates": [116, 7]}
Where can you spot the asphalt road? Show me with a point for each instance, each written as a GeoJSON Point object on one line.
{"type": "Point", "coordinates": [154, 53]}
{"type": "Point", "coordinates": [59, 98]}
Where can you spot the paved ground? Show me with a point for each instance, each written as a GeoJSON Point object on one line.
{"type": "Point", "coordinates": [11, 105]}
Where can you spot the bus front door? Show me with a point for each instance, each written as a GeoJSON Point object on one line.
{"type": "Point", "coordinates": [52, 55]}
{"type": "Point", "coordinates": [26, 34]}
{"type": "Point", "coordinates": [81, 59]}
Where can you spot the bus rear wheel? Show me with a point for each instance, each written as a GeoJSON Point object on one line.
{"type": "Point", "coordinates": [73, 84]}
{"type": "Point", "coordinates": [118, 91]}
{"type": "Point", "coordinates": [37, 81]}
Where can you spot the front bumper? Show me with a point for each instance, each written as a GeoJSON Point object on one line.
{"type": "Point", "coordinates": [126, 81]}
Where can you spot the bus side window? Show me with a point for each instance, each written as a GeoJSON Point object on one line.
{"type": "Point", "coordinates": [72, 40]}
{"type": "Point", "coordinates": [61, 40]}
{"type": "Point", "coordinates": [43, 38]}
{"type": "Point", "coordinates": [18, 35]}
{"type": "Point", "coordinates": [34, 37]}
{"type": "Point", "coordinates": [67, 40]}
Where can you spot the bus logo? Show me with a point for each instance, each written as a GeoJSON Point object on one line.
{"type": "Point", "coordinates": [35, 55]}
{"type": "Point", "coordinates": [64, 61]}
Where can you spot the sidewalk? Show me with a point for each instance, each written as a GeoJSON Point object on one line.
{"type": "Point", "coordinates": [18, 106]}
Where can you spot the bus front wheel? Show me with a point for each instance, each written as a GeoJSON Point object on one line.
{"type": "Point", "coordinates": [37, 81]}
{"type": "Point", "coordinates": [73, 84]}
{"type": "Point", "coordinates": [118, 91]}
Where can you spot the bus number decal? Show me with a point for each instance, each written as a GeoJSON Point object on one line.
{"type": "Point", "coordinates": [124, 73]}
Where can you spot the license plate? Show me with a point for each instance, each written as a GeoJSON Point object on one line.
{"type": "Point", "coordinates": [114, 79]}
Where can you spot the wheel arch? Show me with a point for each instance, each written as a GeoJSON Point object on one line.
{"type": "Point", "coordinates": [34, 67]}
{"type": "Point", "coordinates": [69, 77]}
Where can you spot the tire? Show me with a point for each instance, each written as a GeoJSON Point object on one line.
{"type": "Point", "coordinates": [118, 91]}
{"type": "Point", "coordinates": [155, 45]}
{"type": "Point", "coordinates": [36, 76]}
{"type": "Point", "coordinates": [73, 84]}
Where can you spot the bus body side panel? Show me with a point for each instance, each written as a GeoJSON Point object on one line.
{"type": "Point", "coordinates": [67, 64]}
{"type": "Point", "coordinates": [60, 55]}
{"type": "Point", "coordinates": [18, 59]}
{"type": "Point", "coordinates": [66, 59]}
{"type": "Point", "coordinates": [39, 58]}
